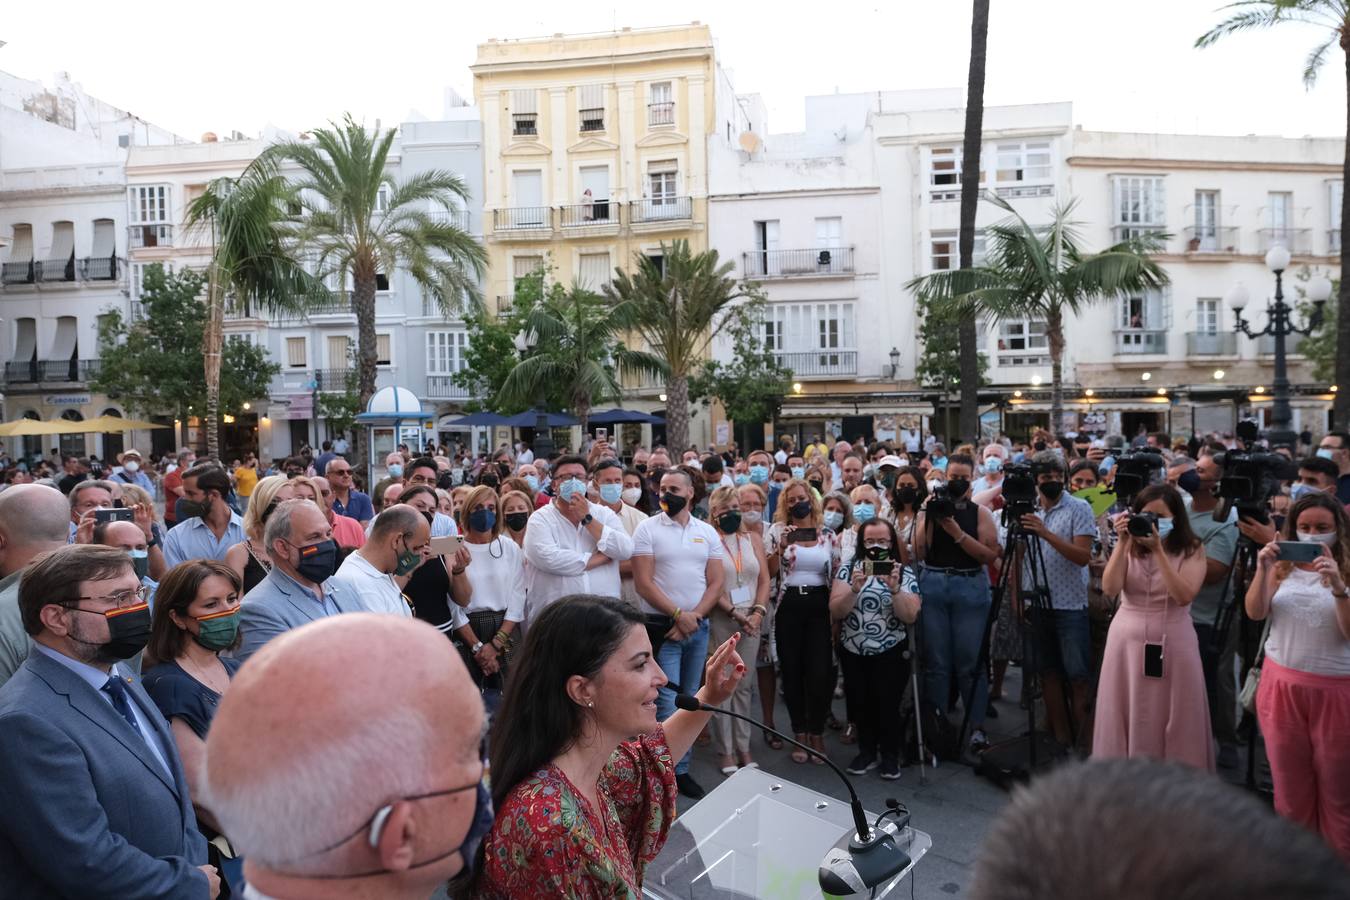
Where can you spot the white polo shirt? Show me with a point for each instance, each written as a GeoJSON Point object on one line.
{"type": "Point", "coordinates": [375, 590]}
{"type": "Point", "coordinates": [680, 554]}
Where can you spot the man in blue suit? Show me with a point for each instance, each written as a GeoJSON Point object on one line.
{"type": "Point", "coordinates": [95, 803]}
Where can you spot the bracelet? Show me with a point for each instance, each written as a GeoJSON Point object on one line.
{"type": "Point", "coordinates": [759, 608]}
{"type": "Point", "coordinates": [456, 571]}
{"type": "Point", "coordinates": [1342, 595]}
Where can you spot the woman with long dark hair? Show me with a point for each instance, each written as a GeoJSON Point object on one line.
{"type": "Point", "coordinates": [583, 806]}
{"type": "Point", "coordinates": [1151, 697]}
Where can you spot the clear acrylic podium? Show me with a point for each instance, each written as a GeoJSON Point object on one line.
{"type": "Point", "coordinates": [758, 836]}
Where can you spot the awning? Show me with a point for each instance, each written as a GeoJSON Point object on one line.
{"type": "Point", "coordinates": [847, 409]}
{"type": "Point", "coordinates": [529, 418]}
{"type": "Point", "coordinates": [622, 416]}
{"type": "Point", "coordinates": [481, 419]}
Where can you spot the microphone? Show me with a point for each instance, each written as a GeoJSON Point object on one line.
{"type": "Point", "coordinates": [856, 863]}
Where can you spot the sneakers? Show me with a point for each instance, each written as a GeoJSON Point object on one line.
{"type": "Point", "coordinates": [890, 769]}
{"type": "Point", "coordinates": [979, 741]}
{"type": "Point", "coordinates": [862, 764]}
{"type": "Point", "coordinates": [688, 786]}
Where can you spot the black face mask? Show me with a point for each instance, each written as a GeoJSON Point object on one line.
{"type": "Point", "coordinates": [957, 487]}
{"type": "Point", "coordinates": [1051, 489]}
{"type": "Point", "coordinates": [817, 485]}
{"type": "Point", "coordinates": [729, 522]}
{"type": "Point", "coordinates": [503, 470]}
{"type": "Point", "coordinates": [128, 632]}
{"type": "Point", "coordinates": [487, 479]}
{"type": "Point", "coordinates": [877, 554]}
{"type": "Point", "coordinates": [430, 517]}
{"type": "Point", "coordinates": [673, 504]}
{"type": "Point", "coordinates": [907, 496]}
{"type": "Point", "coordinates": [516, 521]}
{"type": "Point", "coordinates": [801, 509]}
{"type": "Point", "coordinates": [318, 561]}
{"type": "Point", "coordinates": [641, 467]}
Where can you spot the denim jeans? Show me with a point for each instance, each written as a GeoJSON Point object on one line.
{"type": "Point", "coordinates": [683, 662]}
{"type": "Point", "coordinates": [952, 623]}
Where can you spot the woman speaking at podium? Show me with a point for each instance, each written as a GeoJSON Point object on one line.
{"type": "Point", "coordinates": [582, 805]}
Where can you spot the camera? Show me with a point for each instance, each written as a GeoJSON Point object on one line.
{"type": "Point", "coordinates": [1141, 524]}
{"type": "Point", "coordinates": [1249, 479]}
{"type": "Point", "coordinates": [1019, 491]}
{"type": "Point", "coordinates": [1135, 471]}
{"type": "Point", "coordinates": [941, 504]}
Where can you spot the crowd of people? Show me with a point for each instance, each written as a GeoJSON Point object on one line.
{"type": "Point", "coordinates": [149, 752]}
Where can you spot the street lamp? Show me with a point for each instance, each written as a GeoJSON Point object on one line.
{"type": "Point", "coordinates": [543, 432]}
{"type": "Point", "coordinates": [1279, 326]}
{"type": "Point", "coordinates": [895, 362]}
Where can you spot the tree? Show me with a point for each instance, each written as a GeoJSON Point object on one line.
{"type": "Point", "coordinates": [677, 307]}
{"type": "Point", "coordinates": [575, 349]}
{"type": "Point", "coordinates": [153, 364]}
{"type": "Point", "coordinates": [340, 408]}
{"type": "Point", "coordinates": [491, 352]}
{"type": "Point", "coordinates": [361, 222]}
{"type": "Point", "coordinates": [1318, 348]}
{"type": "Point", "coordinates": [969, 361]}
{"type": "Point", "coordinates": [1043, 274]}
{"type": "Point", "coordinates": [752, 385]}
{"type": "Point", "coordinates": [251, 267]}
{"type": "Point", "coordinates": [1333, 16]}
{"type": "Point", "coordinates": [939, 365]}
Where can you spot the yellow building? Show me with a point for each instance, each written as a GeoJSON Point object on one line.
{"type": "Point", "coordinates": [595, 149]}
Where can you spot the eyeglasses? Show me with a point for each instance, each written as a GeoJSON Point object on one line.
{"type": "Point", "coordinates": [339, 471]}
{"type": "Point", "coordinates": [121, 599]}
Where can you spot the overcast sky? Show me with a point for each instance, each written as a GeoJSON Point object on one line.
{"type": "Point", "coordinates": [192, 66]}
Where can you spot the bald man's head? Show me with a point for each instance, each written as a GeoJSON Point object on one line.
{"type": "Point", "coordinates": [34, 518]}
{"type": "Point", "coordinates": [330, 722]}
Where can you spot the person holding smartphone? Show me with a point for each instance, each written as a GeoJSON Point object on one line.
{"type": "Point", "coordinates": [1151, 698]}
{"type": "Point", "coordinates": [1303, 703]}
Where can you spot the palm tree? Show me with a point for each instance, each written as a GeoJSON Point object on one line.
{"type": "Point", "coordinates": [1043, 274]}
{"type": "Point", "coordinates": [576, 346]}
{"type": "Point", "coordinates": [677, 312]}
{"type": "Point", "coordinates": [968, 359]}
{"type": "Point", "coordinates": [1334, 17]}
{"type": "Point", "coordinates": [251, 267]}
{"type": "Point", "coordinates": [360, 221]}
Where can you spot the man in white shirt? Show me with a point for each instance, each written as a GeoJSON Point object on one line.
{"type": "Point", "coordinates": [524, 454]}
{"type": "Point", "coordinates": [573, 546]}
{"type": "Point", "coordinates": [608, 479]}
{"type": "Point", "coordinates": [677, 567]}
{"type": "Point", "coordinates": [400, 538]}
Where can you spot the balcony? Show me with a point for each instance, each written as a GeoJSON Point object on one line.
{"type": "Point", "coordinates": [818, 363]}
{"type": "Point", "coordinates": [662, 209]}
{"type": "Point", "coordinates": [99, 268]}
{"type": "Point", "coordinates": [643, 385]}
{"type": "Point", "coordinates": [661, 113]}
{"type": "Point", "coordinates": [459, 218]}
{"type": "Point", "coordinates": [1134, 341]}
{"type": "Point", "coordinates": [1121, 233]}
{"type": "Point", "coordinates": [813, 263]}
{"type": "Point", "coordinates": [1211, 343]}
{"type": "Point", "coordinates": [54, 270]}
{"type": "Point", "coordinates": [51, 371]}
{"type": "Point", "coordinates": [1298, 241]}
{"type": "Point", "coordinates": [18, 272]}
{"type": "Point", "coordinates": [522, 218]}
{"type": "Point", "coordinates": [1334, 242]}
{"type": "Point", "coordinates": [332, 379]}
{"type": "Point", "coordinates": [596, 213]}
{"type": "Point", "coordinates": [1265, 344]}
{"type": "Point", "coordinates": [144, 236]}
{"type": "Point", "coordinates": [441, 387]}
{"type": "Point", "coordinates": [1212, 240]}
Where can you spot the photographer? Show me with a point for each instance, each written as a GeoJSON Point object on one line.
{"type": "Point", "coordinates": [1063, 646]}
{"type": "Point", "coordinates": [954, 539]}
{"type": "Point", "coordinates": [1151, 697]}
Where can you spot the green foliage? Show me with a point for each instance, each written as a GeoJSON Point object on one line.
{"type": "Point", "coordinates": [491, 353]}
{"type": "Point", "coordinates": [1319, 348]}
{"type": "Point", "coordinates": [340, 408]}
{"type": "Point", "coordinates": [154, 364]}
{"type": "Point", "coordinates": [1247, 15]}
{"type": "Point", "coordinates": [939, 364]}
{"type": "Point", "coordinates": [751, 387]}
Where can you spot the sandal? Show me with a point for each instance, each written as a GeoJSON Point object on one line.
{"type": "Point", "coordinates": [799, 755]}
{"type": "Point", "coordinates": [773, 740]}
{"type": "Point", "coordinates": [817, 743]}
{"type": "Point", "coordinates": [728, 768]}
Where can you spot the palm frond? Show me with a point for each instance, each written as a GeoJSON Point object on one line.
{"type": "Point", "coordinates": [1316, 58]}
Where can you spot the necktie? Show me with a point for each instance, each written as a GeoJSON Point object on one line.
{"type": "Point", "coordinates": [117, 689]}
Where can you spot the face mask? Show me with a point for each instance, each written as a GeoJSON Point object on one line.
{"type": "Point", "coordinates": [673, 504]}
{"type": "Point", "coordinates": [1018, 457]}
{"type": "Point", "coordinates": [317, 562]}
{"type": "Point", "coordinates": [752, 517]}
{"type": "Point", "coordinates": [611, 493]}
{"type": "Point", "coordinates": [940, 463]}
{"type": "Point", "coordinates": [533, 482]}
{"type": "Point", "coordinates": [906, 496]}
{"type": "Point", "coordinates": [888, 480]}
{"type": "Point", "coordinates": [504, 470]}
{"type": "Point", "coordinates": [128, 631]}
{"type": "Point", "coordinates": [816, 485]}
{"type": "Point", "coordinates": [1164, 527]}
{"type": "Point", "coordinates": [801, 509]}
{"type": "Point", "coordinates": [729, 522]}
{"type": "Point", "coordinates": [218, 630]}
{"type": "Point", "coordinates": [1189, 482]}
{"type": "Point", "coordinates": [631, 496]}
{"type": "Point", "coordinates": [876, 552]}
{"type": "Point", "coordinates": [864, 513]}
{"type": "Point", "coordinates": [833, 519]}
{"type": "Point", "coordinates": [131, 466]}
{"type": "Point", "coordinates": [395, 471]}
{"type": "Point", "coordinates": [641, 467]}
{"type": "Point", "coordinates": [798, 472]}
{"type": "Point", "coordinates": [140, 562]}
{"type": "Point", "coordinates": [1300, 490]}
{"type": "Point", "coordinates": [1327, 539]}
{"type": "Point", "coordinates": [570, 488]}
{"type": "Point", "coordinates": [1051, 489]}
{"type": "Point", "coordinates": [993, 464]}
{"type": "Point", "coordinates": [408, 560]}
{"type": "Point", "coordinates": [1326, 453]}
{"type": "Point", "coordinates": [516, 521]}
{"type": "Point", "coordinates": [958, 486]}
{"type": "Point", "coordinates": [740, 478]}
{"type": "Point", "coordinates": [194, 509]}
{"type": "Point", "coordinates": [482, 520]}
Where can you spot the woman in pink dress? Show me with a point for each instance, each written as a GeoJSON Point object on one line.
{"type": "Point", "coordinates": [1151, 697]}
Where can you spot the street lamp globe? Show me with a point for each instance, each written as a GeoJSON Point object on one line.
{"type": "Point", "coordinates": [1277, 258]}
{"type": "Point", "coordinates": [1319, 289]}
{"type": "Point", "coordinates": [524, 341]}
{"type": "Point", "coordinates": [1237, 297]}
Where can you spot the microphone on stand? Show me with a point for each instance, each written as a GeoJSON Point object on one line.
{"type": "Point", "coordinates": [856, 863]}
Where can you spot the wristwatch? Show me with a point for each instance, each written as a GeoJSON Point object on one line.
{"type": "Point", "coordinates": [476, 647]}
{"type": "Point", "coordinates": [587, 519]}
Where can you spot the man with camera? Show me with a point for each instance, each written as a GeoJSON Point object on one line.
{"type": "Point", "coordinates": [1062, 642]}
{"type": "Point", "coordinates": [954, 539]}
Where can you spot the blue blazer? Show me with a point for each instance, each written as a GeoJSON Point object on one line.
{"type": "Point", "coordinates": [278, 603]}
{"type": "Point", "coordinates": [86, 811]}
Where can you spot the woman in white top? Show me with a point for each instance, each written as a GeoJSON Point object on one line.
{"type": "Point", "coordinates": [486, 627]}
{"type": "Point", "coordinates": [807, 553]}
{"type": "Point", "coordinates": [741, 608]}
{"type": "Point", "coordinates": [1303, 704]}
{"type": "Point", "coordinates": [753, 503]}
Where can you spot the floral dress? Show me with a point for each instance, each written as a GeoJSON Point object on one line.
{"type": "Point", "coordinates": [549, 841]}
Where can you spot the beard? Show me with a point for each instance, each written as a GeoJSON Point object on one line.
{"type": "Point", "coordinates": [95, 653]}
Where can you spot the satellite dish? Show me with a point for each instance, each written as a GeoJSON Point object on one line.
{"type": "Point", "coordinates": [750, 141]}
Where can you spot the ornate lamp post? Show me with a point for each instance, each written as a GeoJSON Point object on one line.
{"type": "Point", "coordinates": [1280, 325]}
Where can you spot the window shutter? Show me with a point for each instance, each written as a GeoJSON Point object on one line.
{"type": "Point", "coordinates": [383, 354]}
{"type": "Point", "coordinates": [295, 352]}
{"type": "Point", "coordinates": [525, 101]}
{"type": "Point", "coordinates": [591, 96]}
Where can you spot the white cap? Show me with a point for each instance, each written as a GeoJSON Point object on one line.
{"type": "Point", "coordinates": [891, 460]}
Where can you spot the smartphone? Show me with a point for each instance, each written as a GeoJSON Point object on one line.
{"type": "Point", "coordinates": [602, 433]}
{"type": "Point", "coordinates": [1153, 660]}
{"type": "Point", "coordinates": [1299, 551]}
{"type": "Point", "coordinates": [878, 567]}
{"type": "Point", "coordinates": [803, 535]}
{"type": "Point", "coordinates": [112, 515]}
{"type": "Point", "coordinates": [445, 546]}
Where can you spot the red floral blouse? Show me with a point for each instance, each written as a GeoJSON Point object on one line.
{"type": "Point", "coordinates": [548, 841]}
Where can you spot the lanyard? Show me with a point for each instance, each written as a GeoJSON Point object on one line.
{"type": "Point", "coordinates": [736, 560]}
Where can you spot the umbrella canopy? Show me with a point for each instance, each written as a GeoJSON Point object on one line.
{"type": "Point", "coordinates": [32, 427]}
{"type": "Point", "coordinates": [620, 416]}
{"type": "Point", "coordinates": [117, 423]}
{"type": "Point", "coordinates": [478, 418]}
{"type": "Point", "coordinates": [529, 418]}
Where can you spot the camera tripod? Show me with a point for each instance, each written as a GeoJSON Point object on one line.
{"type": "Point", "coordinates": [1231, 606]}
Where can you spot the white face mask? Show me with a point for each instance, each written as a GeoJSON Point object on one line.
{"type": "Point", "coordinates": [131, 466]}
{"type": "Point", "coordinates": [751, 517]}
{"type": "Point", "coordinates": [1328, 539]}
{"type": "Point", "coordinates": [632, 495]}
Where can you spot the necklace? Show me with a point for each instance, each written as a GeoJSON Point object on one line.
{"type": "Point", "coordinates": [211, 680]}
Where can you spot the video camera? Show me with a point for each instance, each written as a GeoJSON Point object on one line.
{"type": "Point", "coordinates": [941, 504]}
{"type": "Point", "coordinates": [1134, 472]}
{"type": "Point", "coordinates": [1019, 490]}
{"type": "Point", "coordinates": [1248, 480]}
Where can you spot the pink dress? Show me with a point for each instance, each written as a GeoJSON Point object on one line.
{"type": "Point", "coordinates": [1161, 718]}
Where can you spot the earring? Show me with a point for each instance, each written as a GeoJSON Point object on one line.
{"type": "Point", "coordinates": [590, 704]}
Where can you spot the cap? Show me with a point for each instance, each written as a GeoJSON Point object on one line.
{"type": "Point", "coordinates": [132, 452]}
{"type": "Point", "coordinates": [891, 460]}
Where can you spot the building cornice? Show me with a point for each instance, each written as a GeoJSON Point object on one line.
{"type": "Point", "coordinates": [702, 53]}
{"type": "Point", "coordinates": [1203, 165]}
{"type": "Point", "coordinates": [797, 192]}
{"type": "Point", "coordinates": [893, 140]}
{"type": "Point", "coordinates": [61, 193]}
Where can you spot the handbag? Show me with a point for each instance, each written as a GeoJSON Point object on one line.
{"type": "Point", "coordinates": [1250, 684]}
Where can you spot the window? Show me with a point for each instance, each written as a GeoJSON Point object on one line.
{"type": "Point", "coordinates": [339, 351]}
{"type": "Point", "coordinates": [1139, 207]}
{"type": "Point", "coordinates": [661, 177]}
{"type": "Point", "coordinates": [382, 199]}
{"type": "Point", "coordinates": [659, 261]}
{"type": "Point", "coordinates": [591, 106]}
{"type": "Point", "coordinates": [522, 267]}
{"type": "Point", "coordinates": [1337, 192]}
{"type": "Point", "coordinates": [944, 166]}
{"type": "Point", "coordinates": [381, 281]}
{"type": "Point", "coordinates": [295, 353]}
{"type": "Point", "coordinates": [808, 327]}
{"type": "Point", "coordinates": [524, 113]}
{"type": "Point", "coordinates": [1022, 337]}
{"type": "Point", "coordinates": [661, 104]}
{"type": "Point", "coordinates": [384, 354]}
{"type": "Point", "coordinates": [1207, 219]}
{"type": "Point", "coordinates": [1207, 315]}
{"type": "Point", "coordinates": [593, 270]}
{"type": "Point", "coordinates": [1146, 311]}
{"type": "Point", "coordinates": [1026, 161]}
{"type": "Point", "coordinates": [150, 204]}
{"type": "Point", "coordinates": [829, 233]}
{"type": "Point", "coordinates": [445, 352]}
{"type": "Point", "coordinates": [945, 253]}
{"type": "Point", "coordinates": [527, 188]}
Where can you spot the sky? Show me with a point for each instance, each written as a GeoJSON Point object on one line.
{"type": "Point", "coordinates": [193, 67]}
